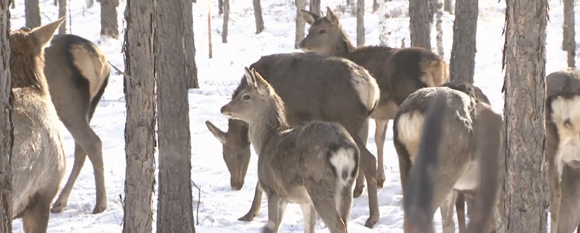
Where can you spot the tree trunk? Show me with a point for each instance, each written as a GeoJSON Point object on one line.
{"type": "Point", "coordinates": [525, 187]}
{"type": "Point", "coordinates": [360, 22]}
{"type": "Point", "coordinates": [419, 24]}
{"type": "Point", "coordinates": [439, 29]}
{"type": "Point", "coordinates": [462, 61]}
{"type": "Point", "coordinates": [62, 13]}
{"type": "Point", "coordinates": [6, 131]}
{"type": "Point", "coordinates": [300, 4]}
{"type": "Point", "coordinates": [109, 26]}
{"type": "Point", "coordinates": [220, 7]}
{"type": "Point", "coordinates": [258, 16]}
{"type": "Point", "coordinates": [32, 11]}
{"type": "Point", "coordinates": [375, 5]}
{"type": "Point", "coordinates": [315, 7]}
{"type": "Point", "coordinates": [432, 10]}
{"type": "Point", "coordinates": [569, 42]}
{"type": "Point", "coordinates": [226, 7]}
{"type": "Point", "coordinates": [175, 210]}
{"type": "Point", "coordinates": [448, 6]}
{"type": "Point", "coordinates": [384, 13]}
{"type": "Point", "coordinates": [191, 68]}
{"type": "Point", "coordinates": [140, 142]}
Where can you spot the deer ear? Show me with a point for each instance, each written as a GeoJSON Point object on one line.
{"type": "Point", "coordinates": [218, 133]}
{"type": "Point", "coordinates": [261, 83]}
{"type": "Point", "coordinates": [331, 16]}
{"type": "Point", "coordinates": [309, 16]}
{"type": "Point", "coordinates": [44, 34]}
{"type": "Point", "coordinates": [249, 77]}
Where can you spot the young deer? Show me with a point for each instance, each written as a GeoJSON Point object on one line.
{"type": "Point", "coordinates": [38, 158]}
{"type": "Point", "coordinates": [419, 192]}
{"type": "Point", "coordinates": [313, 88]}
{"type": "Point", "coordinates": [457, 170]}
{"type": "Point", "coordinates": [563, 148]}
{"type": "Point", "coordinates": [77, 72]}
{"type": "Point", "coordinates": [314, 165]}
{"type": "Point", "coordinates": [399, 72]}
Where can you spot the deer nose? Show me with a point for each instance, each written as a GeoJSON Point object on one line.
{"type": "Point", "coordinates": [223, 109]}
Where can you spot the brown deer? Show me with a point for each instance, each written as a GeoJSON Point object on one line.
{"type": "Point", "coordinates": [421, 187]}
{"type": "Point", "coordinates": [77, 72]}
{"type": "Point", "coordinates": [457, 169]}
{"type": "Point", "coordinates": [313, 87]}
{"type": "Point", "coordinates": [399, 72]}
{"type": "Point", "coordinates": [38, 158]}
{"type": "Point", "coordinates": [314, 165]}
{"type": "Point", "coordinates": [563, 147]}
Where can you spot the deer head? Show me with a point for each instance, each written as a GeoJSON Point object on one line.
{"type": "Point", "coordinates": [325, 35]}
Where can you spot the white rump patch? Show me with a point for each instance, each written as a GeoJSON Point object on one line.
{"type": "Point", "coordinates": [344, 162]}
{"type": "Point", "coordinates": [93, 67]}
{"type": "Point", "coordinates": [410, 127]}
{"type": "Point", "coordinates": [566, 116]}
{"type": "Point", "coordinates": [368, 91]}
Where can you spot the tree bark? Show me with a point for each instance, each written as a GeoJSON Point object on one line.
{"type": "Point", "coordinates": [139, 87]}
{"type": "Point", "coordinates": [315, 7]}
{"type": "Point", "coordinates": [300, 23]}
{"type": "Point", "coordinates": [175, 210]}
{"type": "Point", "coordinates": [6, 130]}
{"type": "Point", "coordinates": [258, 16]}
{"type": "Point", "coordinates": [384, 13]}
{"type": "Point", "coordinates": [525, 187]}
{"type": "Point", "coordinates": [109, 26]}
{"type": "Point", "coordinates": [447, 6]}
{"type": "Point", "coordinates": [32, 11]}
{"type": "Point", "coordinates": [375, 5]}
{"type": "Point", "coordinates": [191, 68]}
{"type": "Point", "coordinates": [439, 29]}
{"type": "Point", "coordinates": [419, 24]}
{"type": "Point", "coordinates": [360, 22]}
{"type": "Point", "coordinates": [220, 7]}
{"type": "Point", "coordinates": [226, 7]}
{"type": "Point", "coordinates": [569, 42]}
{"type": "Point", "coordinates": [432, 10]}
{"type": "Point", "coordinates": [62, 13]}
{"type": "Point", "coordinates": [462, 61]}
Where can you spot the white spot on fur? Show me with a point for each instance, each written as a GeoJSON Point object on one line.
{"type": "Point", "coordinates": [344, 162]}
{"type": "Point", "coordinates": [410, 127]}
{"type": "Point", "coordinates": [368, 91]}
{"type": "Point", "coordinates": [566, 116]}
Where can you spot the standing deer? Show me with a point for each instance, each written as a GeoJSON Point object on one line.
{"type": "Point", "coordinates": [457, 168]}
{"type": "Point", "coordinates": [313, 87]}
{"type": "Point", "coordinates": [420, 189]}
{"type": "Point", "coordinates": [399, 72]}
{"type": "Point", "coordinates": [563, 146]}
{"type": "Point", "coordinates": [38, 158]}
{"type": "Point", "coordinates": [77, 73]}
{"type": "Point", "coordinates": [314, 165]}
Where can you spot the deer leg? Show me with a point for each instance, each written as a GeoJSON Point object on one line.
{"type": "Point", "coordinates": [61, 202]}
{"type": "Point", "coordinates": [369, 168]}
{"type": "Point", "coordinates": [255, 209]}
{"type": "Point", "coordinates": [380, 135]}
{"type": "Point", "coordinates": [309, 214]}
{"type": "Point", "coordinates": [327, 206]}
{"type": "Point", "coordinates": [35, 217]}
{"type": "Point", "coordinates": [360, 182]}
{"type": "Point", "coordinates": [460, 210]}
{"type": "Point", "coordinates": [447, 208]}
{"type": "Point", "coordinates": [276, 208]}
{"type": "Point", "coordinates": [555, 207]}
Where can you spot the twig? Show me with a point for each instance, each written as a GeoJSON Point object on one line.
{"type": "Point", "coordinates": [117, 69]}
{"type": "Point", "coordinates": [198, 200]}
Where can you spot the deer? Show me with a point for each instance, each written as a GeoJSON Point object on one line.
{"type": "Point", "coordinates": [420, 190]}
{"type": "Point", "coordinates": [38, 158]}
{"type": "Point", "coordinates": [77, 73]}
{"type": "Point", "coordinates": [562, 145]}
{"type": "Point", "coordinates": [314, 165]}
{"type": "Point", "coordinates": [398, 71]}
{"type": "Point", "coordinates": [313, 87]}
{"type": "Point", "coordinates": [457, 168]}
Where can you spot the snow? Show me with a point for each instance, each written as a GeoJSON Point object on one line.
{"type": "Point", "coordinates": [218, 207]}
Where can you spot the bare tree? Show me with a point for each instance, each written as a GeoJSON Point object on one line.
{"type": "Point", "coordinates": [462, 62]}
{"type": "Point", "coordinates": [109, 25]}
{"type": "Point", "coordinates": [526, 186]}
{"type": "Point", "coordinates": [175, 210]}
{"type": "Point", "coordinates": [384, 13]}
{"type": "Point", "coordinates": [220, 6]}
{"type": "Point", "coordinates": [300, 23]}
{"type": "Point", "coordinates": [32, 11]}
{"type": "Point", "coordinates": [315, 7]}
{"type": "Point", "coordinates": [439, 29]}
{"type": "Point", "coordinates": [6, 132]}
{"type": "Point", "coordinates": [360, 22]}
{"type": "Point", "coordinates": [419, 23]}
{"type": "Point", "coordinates": [258, 16]}
{"type": "Point", "coordinates": [191, 68]}
{"type": "Point", "coordinates": [448, 6]}
{"type": "Point", "coordinates": [569, 42]}
{"type": "Point", "coordinates": [226, 8]}
{"type": "Point", "coordinates": [62, 13]}
{"type": "Point", "coordinates": [140, 127]}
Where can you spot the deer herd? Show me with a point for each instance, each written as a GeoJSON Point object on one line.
{"type": "Point", "coordinates": [307, 117]}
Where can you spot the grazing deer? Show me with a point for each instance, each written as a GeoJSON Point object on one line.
{"type": "Point", "coordinates": [314, 165]}
{"type": "Point", "coordinates": [418, 203]}
{"type": "Point", "coordinates": [563, 147]}
{"type": "Point", "coordinates": [457, 168]}
{"type": "Point", "coordinates": [77, 73]}
{"type": "Point", "coordinates": [313, 87]}
{"type": "Point", "coordinates": [38, 158]}
{"type": "Point", "coordinates": [399, 72]}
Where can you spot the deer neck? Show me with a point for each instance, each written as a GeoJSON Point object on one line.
{"type": "Point", "coordinates": [344, 46]}
{"type": "Point", "coordinates": [268, 125]}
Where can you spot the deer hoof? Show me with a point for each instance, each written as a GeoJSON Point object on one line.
{"type": "Point", "coordinates": [358, 190]}
{"type": "Point", "coordinates": [99, 209]}
{"type": "Point", "coordinates": [371, 223]}
{"type": "Point", "coordinates": [248, 217]}
{"type": "Point", "coordinates": [380, 180]}
{"type": "Point", "coordinates": [57, 207]}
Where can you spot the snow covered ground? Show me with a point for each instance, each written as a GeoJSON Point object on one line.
{"type": "Point", "coordinates": [218, 207]}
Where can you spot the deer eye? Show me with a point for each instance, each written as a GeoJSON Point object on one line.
{"type": "Point", "coordinates": [246, 97]}
{"type": "Point", "coordinates": [322, 31]}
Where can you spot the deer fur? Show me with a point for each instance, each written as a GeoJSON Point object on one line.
{"type": "Point", "coordinates": [314, 165]}
{"type": "Point", "coordinates": [38, 159]}
{"type": "Point", "coordinates": [563, 147]}
{"type": "Point", "coordinates": [398, 71]}
{"type": "Point", "coordinates": [458, 169]}
{"type": "Point", "coordinates": [313, 87]}
{"type": "Point", "coordinates": [422, 183]}
{"type": "Point", "coordinates": [77, 72]}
